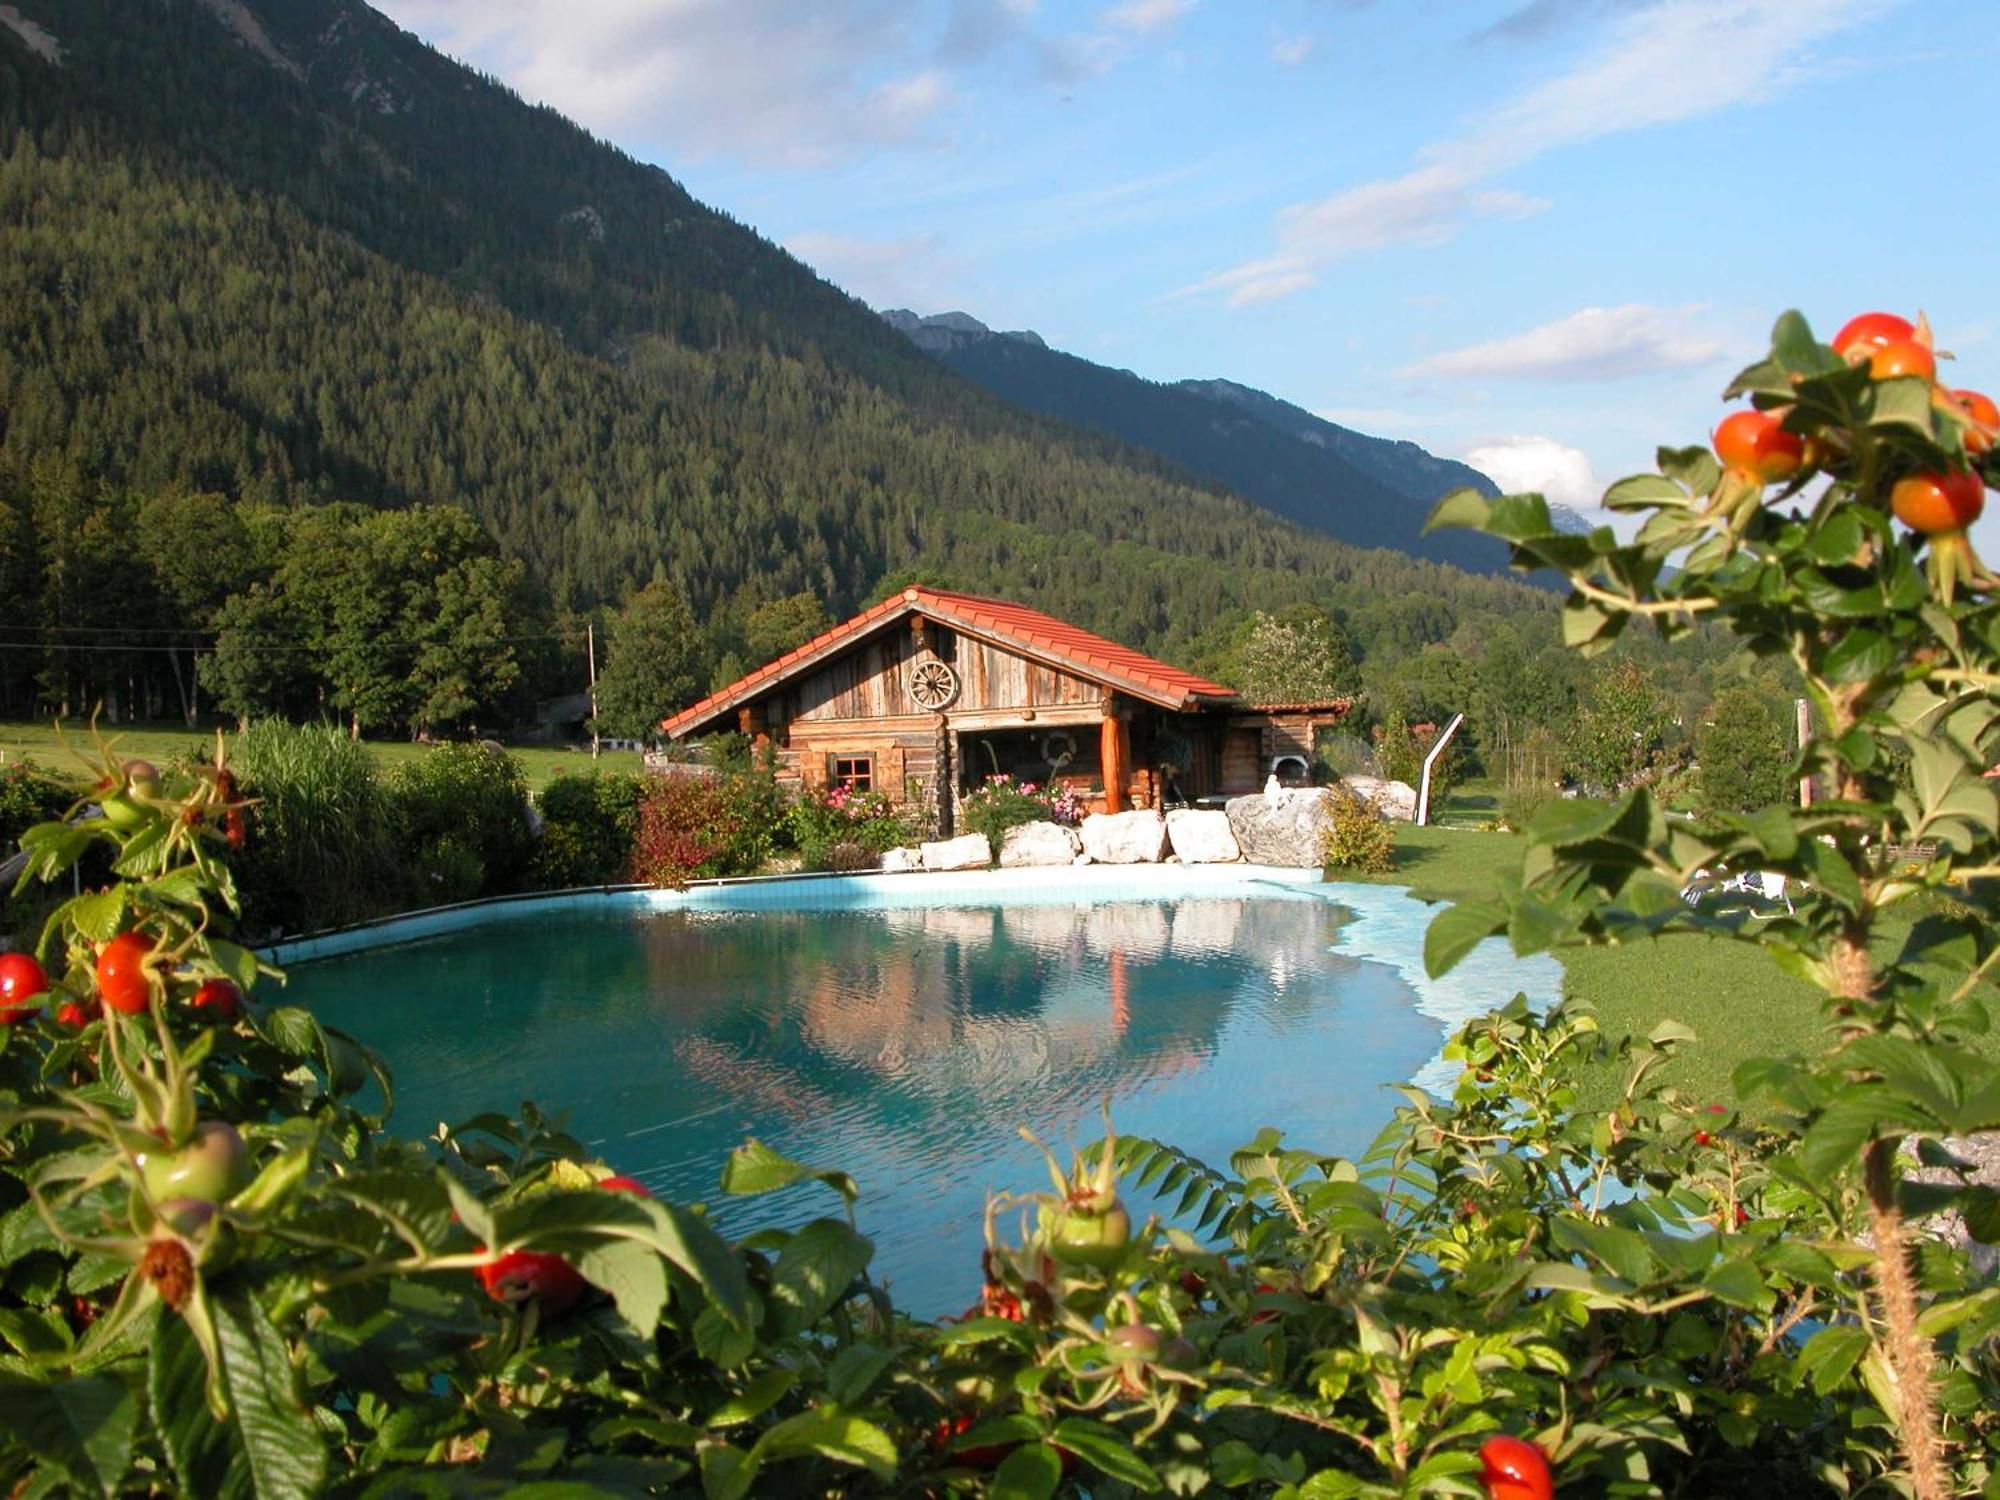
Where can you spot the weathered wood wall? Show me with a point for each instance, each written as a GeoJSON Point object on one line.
{"type": "Point", "coordinates": [872, 681]}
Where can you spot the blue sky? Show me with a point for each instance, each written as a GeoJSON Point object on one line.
{"type": "Point", "coordinates": [1538, 234]}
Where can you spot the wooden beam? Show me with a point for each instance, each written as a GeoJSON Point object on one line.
{"type": "Point", "coordinates": [1112, 745]}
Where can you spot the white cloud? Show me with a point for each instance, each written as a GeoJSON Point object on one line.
{"type": "Point", "coordinates": [1660, 64]}
{"type": "Point", "coordinates": [1145, 17]}
{"type": "Point", "coordinates": [1290, 51]}
{"type": "Point", "coordinates": [1560, 473]}
{"type": "Point", "coordinates": [913, 272]}
{"type": "Point", "coordinates": [1598, 343]}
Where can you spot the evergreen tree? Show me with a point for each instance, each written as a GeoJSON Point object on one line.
{"type": "Point", "coordinates": [1742, 755]}
{"type": "Point", "coordinates": [654, 663]}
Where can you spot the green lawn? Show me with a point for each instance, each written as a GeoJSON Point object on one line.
{"type": "Point", "coordinates": [1729, 993]}
{"type": "Point", "coordinates": [169, 742]}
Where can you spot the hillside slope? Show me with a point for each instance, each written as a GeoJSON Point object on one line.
{"type": "Point", "coordinates": [1370, 491]}
{"type": "Point", "coordinates": [285, 251]}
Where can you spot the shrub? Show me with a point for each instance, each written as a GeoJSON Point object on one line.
{"type": "Point", "coordinates": [28, 795]}
{"type": "Point", "coordinates": [1001, 803]}
{"type": "Point", "coordinates": [1742, 759]}
{"type": "Point", "coordinates": [696, 827]}
{"type": "Point", "coordinates": [1519, 804]}
{"type": "Point", "coordinates": [1357, 836]}
{"type": "Point", "coordinates": [589, 822]}
{"type": "Point", "coordinates": [461, 818]}
{"type": "Point", "coordinates": [842, 829]}
{"type": "Point", "coordinates": [321, 850]}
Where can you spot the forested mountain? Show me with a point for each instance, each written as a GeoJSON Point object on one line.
{"type": "Point", "coordinates": [283, 252]}
{"type": "Point", "coordinates": [1373, 492]}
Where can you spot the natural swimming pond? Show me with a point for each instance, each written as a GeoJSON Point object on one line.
{"type": "Point", "coordinates": [904, 1031]}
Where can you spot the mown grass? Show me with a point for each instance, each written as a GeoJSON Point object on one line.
{"type": "Point", "coordinates": [1728, 992]}
{"type": "Point", "coordinates": [166, 743]}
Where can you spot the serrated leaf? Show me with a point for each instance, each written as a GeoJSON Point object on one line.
{"type": "Point", "coordinates": [763, 1393]}
{"type": "Point", "coordinates": [1105, 1449]}
{"type": "Point", "coordinates": [202, 1450]}
{"type": "Point", "coordinates": [82, 1427]}
{"type": "Point", "coordinates": [632, 1274]}
{"type": "Point", "coordinates": [754, 1167]}
{"type": "Point", "coordinates": [1830, 1354]}
{"type": "Point", "coordinates": [281, 1443]}
{"type": "Point", "coordinates": [1457, 930]}
{"type": "Point", "coordinates": [1031, 1472]}
{"type": "Point", "coordinates": [1737, 1283]}
{"type": "Point", "coordinates": [1462, 507]}
{"type": "Point", "coordinates": [832, 1433]}
{"type": "Point", "coordinates": [815, 1269]}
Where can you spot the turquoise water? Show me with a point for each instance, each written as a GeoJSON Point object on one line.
{"type": "Point", "coordinates": [904, 1044]}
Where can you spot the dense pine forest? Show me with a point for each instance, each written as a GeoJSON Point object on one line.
{"type": "Point", "coordinates": [259, 258]}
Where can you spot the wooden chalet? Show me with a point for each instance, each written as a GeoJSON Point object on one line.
{"type": "Point", "coordinates": [925, 695]}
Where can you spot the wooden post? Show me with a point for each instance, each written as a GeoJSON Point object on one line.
{"type": "Point", "coordinates": [1803, 716]}
{"type": "Point", "coordinates": [1112, 753]}
{"type": "Point", "coordinates": [590, 646]}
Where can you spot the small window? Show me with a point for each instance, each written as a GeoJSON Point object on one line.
{"type": "Point", "coordinates": [856, 771]}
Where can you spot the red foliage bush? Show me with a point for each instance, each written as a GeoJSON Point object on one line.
{"type": "Point", "coordinates": [686, 824]}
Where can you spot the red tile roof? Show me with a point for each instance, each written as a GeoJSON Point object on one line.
{"type": "Point", "coordinates": [1027, 630]}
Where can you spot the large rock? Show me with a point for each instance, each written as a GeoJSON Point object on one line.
{"type": "Point", "coordinates": [1281, 828]}
{"type": "Point", "coordinates": [1392, 799]}
{"type": "Point", "coordinates": [1202, 838]}
{"type": "Point", "coordinates": [969, 852]}
{"type": "Point", "coordinates": [1127, 838]}
{"type": "Point", "coordinates": [1038, 844]}
{"type": "Point", "coordinates": [902, 860]}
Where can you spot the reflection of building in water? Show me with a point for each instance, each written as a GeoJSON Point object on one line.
{"type": "Point", "coordinates": [961, 1003]}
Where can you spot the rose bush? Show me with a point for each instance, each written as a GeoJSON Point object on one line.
{"type": "Point", "coordinates": [220, 1273]}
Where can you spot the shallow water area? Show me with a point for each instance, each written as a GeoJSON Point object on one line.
{"type": "Point", "coordinates": [904, 1031]}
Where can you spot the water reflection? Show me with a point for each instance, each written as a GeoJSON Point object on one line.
{"type": "Point", "coordinates": [906, 1045]}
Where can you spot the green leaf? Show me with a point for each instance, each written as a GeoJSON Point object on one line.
{"type": "Point", "coordinates": [1830, 1354]}
{"type": "Point", "coordinates": [1457, 930]}
{"type": "Point", "coordinates": [1031, 1472]}
{"type": "Point", "coordinates": [832, 1433]}
{"type": "Point", "coordinates": [1904, 402]}
{"type": "Point", "coordinates": [632, 1274]}
{"type": "Point", "coordinates": [815, 1269]}
{"type": "Point", "coordinates": [1797, 351]}
{"type": "Point", "coordinates": [202, 1450]}
{"type": "Point", "coordinates": [1463, 507]}
{"type": "Point", "coordinates": [754, 1167]}
{"type": "Point", "coordinates": [763, 1393]}
{"type": "Point", "coordinates": [1639, 491]}
{"type": "Point", "coordinates": [1737, 1283]}
{"type": "Point", "coordinates": [1104, 1448]}
{"type": "Point", "coordinates": [1833, 1142]}
{"type": "Point", "coordinates": [83, 1427]}
{"type": "Point", "coordinates": [855, 1370]}
{"type": "Point", "coordinates": [1621, 1251]}
{"type": "Point", "coordinates": [1859, 655]}
{"type": "Point", "coordinates": [286, 1454]}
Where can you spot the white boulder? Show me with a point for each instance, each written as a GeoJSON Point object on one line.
{"type": "Point", "coordinates": [1392, 799]}
{"type": "Point", "coordinates": [968, 852]}
{"type": "Point", "coordinates": [1038, 844]}
{"type": "Point", "coordinates": [902, 860]}
{"type": "Point", "coordinates": [1286, 827]}
{"type": "Point", "coordinates": [1202, 838]}
{"type": "Point", "coordinates": [1127, 838]}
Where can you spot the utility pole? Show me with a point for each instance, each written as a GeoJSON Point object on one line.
{"type": "Point", "coordinates": [590, 645]}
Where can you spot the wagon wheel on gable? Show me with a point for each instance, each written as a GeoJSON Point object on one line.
{"type": "Point", "coordinates": [933, 684]}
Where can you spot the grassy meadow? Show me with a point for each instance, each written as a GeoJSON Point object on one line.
{"type": "Point", "coordinates": [164, 743]}
{"type": "Point", "coordinates": [1728, 992]}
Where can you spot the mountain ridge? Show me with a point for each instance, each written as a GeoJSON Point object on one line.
{"type": "Point", "coordinates": [361, 271]}
{"type": "Point", "coordinates": [1365, 490]}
